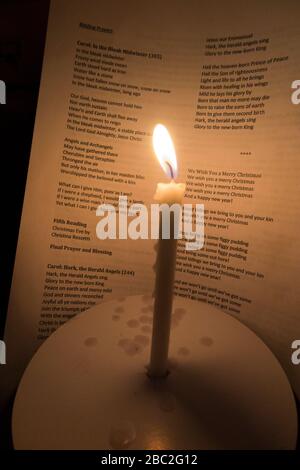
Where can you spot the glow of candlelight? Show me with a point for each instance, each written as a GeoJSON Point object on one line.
{"type": "Point", "coordinates": [165, 150]}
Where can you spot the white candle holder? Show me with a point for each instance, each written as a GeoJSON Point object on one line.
{"type": "Point", "coordinates": [87, 386]}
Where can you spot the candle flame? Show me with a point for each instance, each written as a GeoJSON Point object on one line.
{"type": "Point", "coordinates": [164, 150]}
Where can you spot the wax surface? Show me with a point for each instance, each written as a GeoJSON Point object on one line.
{"type": "Point", "coordinates": [169, 193]}
{"type": "Point", "coordinates": [87, 387]}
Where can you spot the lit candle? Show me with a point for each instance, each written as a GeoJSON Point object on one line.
{"type": "Point", "coordinates": [168, 194]}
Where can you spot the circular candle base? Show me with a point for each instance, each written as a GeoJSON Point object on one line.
{"type": "Point", "coordinates": [87, 386]}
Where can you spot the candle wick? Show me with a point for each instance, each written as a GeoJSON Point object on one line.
{"type": "Point", "coordinates": [171, 170]}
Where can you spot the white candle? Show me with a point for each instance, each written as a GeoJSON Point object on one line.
{"type": "Point", "coordinates": [168, 194]}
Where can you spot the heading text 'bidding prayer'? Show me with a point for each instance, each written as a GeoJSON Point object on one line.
{"type": "Point", "coordinates": [176, 222]}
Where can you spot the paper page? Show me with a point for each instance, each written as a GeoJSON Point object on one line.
{"type": "Point", "coordinates": [220, 79]}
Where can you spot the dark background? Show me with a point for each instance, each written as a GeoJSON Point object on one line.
{"type": "Point", "coordinates": [23, 25]}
